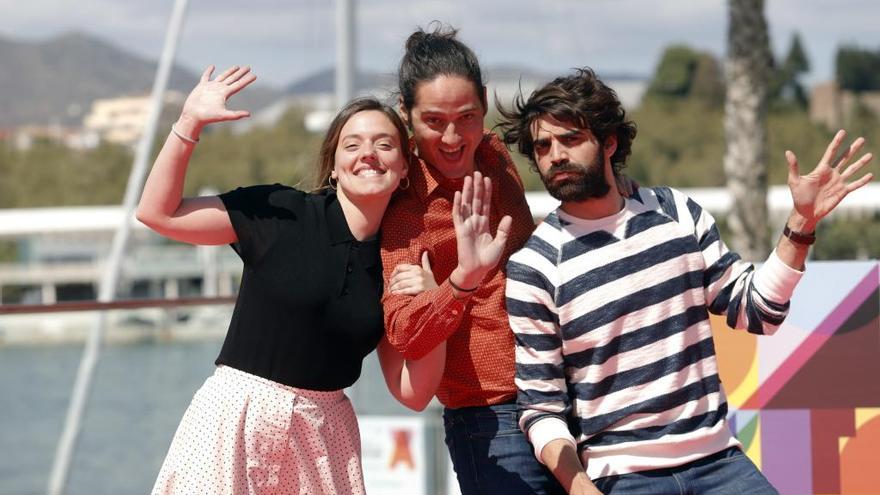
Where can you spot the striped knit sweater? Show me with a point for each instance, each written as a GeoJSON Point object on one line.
{"type": "Point", "coordinates": [614, 345]}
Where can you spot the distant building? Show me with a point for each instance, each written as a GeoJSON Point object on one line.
{"type": "Point", "coordinates": [833, 107]}
{"type": "Point", "coordinates": [121, 120]}
{"type": "Point", "coordinates": [61, 252]}
{"type": "Point", "coordinates": [24, 137]}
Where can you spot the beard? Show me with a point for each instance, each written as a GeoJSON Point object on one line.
{"type": "Point", "coordinates": [583, 181]}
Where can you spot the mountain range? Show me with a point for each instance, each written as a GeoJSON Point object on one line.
{"type": "Point", "coordinates": [55, 81]}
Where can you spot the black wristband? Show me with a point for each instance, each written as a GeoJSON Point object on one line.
{"type": "Point", "coordinates": [456, 287]}
{"type": "Point", "coordinates": [799, 237]}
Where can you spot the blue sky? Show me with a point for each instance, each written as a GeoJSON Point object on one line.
{"type": "Point", "coordinates": [284, 40]}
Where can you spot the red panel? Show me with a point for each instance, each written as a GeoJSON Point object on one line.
{"type": "Point", "coordinates": [827, 426]}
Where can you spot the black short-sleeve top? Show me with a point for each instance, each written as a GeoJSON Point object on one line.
{"type": "Point", "coordinates": [308, 308]}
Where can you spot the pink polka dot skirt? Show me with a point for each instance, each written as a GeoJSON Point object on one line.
{"type": "Point", "coordinates": [243, 434]}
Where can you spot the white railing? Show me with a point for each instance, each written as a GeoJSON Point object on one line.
{"type": "Point", "coordinates": [716, 200]}
{"type": "Point", "coordinates": [23, 222]}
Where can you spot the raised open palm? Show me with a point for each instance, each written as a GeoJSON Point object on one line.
{"type": "Point", "coordinates": [207, 101]}
{"type": "Point", "coordinates": [478, 250]}
{"type": "Point", "coordinates": [821, 190]}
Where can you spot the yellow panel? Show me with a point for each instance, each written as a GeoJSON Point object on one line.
{"type": "Point", "coordinates": [747, 387]}
{"type": "Point", "coordinates": [754, 452]}
{"type": "Point", "coordinates": [863, 415]}
{"type": "Point", "coordinates": [866, 414]}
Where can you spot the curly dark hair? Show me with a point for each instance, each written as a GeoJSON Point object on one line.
{"type": "Point", "coordinates": [581, 99]}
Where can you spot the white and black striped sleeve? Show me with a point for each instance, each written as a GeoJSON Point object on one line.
{"type": "Point", "coordinates": [540, 377]}
{"type": "Point", "coordinates": [750, 299]}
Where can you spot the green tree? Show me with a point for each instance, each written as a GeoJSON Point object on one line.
{"type": "Point", "coordinates": [678, 143]}
{"type": "Point", "coordinates": [707, 85]}
{"type": "Point", "coordinates": [50, 174]}
{"type": "Point", "coordinates": [684, 73]}
{"type": "Point", "coordinates": [674, 74]}
{"type": "Point", "coordinates": [785, 87]}
{"type": "Point", "coordinates": [8, 251]}
{"type": "Point", "coordinates": [284, 153]}
{"type": "Point", "coordinates": [796, 62]}
{"type": "Point", "coordinates": [858, 69]}
{"type": "Point", "coordinates": [847, 239]}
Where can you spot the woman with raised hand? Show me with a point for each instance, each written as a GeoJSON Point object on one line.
{"type": "Point", "coordinates": [273, 417]}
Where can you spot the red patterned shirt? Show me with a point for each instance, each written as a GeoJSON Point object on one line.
{"type": "Point", "coordinates": [480, 348]}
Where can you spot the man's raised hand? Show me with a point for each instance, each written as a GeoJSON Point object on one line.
{"type": "Point", "coordinates": [816, 194]}
{"type": "Point", "coordinates": [478, 250]}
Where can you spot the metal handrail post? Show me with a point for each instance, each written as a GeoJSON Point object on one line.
{"type": "Point", "coordinates": [107, 289]}
{"type": "Point", "coordinates": [346, 39]}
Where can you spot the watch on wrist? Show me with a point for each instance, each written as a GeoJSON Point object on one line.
{"type": "Point", "coordinates": [799, 237]}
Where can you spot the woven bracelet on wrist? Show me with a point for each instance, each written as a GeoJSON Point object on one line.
{"type": "Point", "coordinates": [456, 287]}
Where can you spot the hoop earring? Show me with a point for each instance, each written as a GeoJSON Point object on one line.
{"type": "Point", "coordinates": [403, 187]}
{"type": "Point", "coordinates": [330, 182]}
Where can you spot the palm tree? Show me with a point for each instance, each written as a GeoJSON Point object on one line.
{"type": "Point", "coordinates": [747, 73]}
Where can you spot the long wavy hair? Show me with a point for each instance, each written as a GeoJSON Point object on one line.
{"type": "Point", "coordinates": [327, 154]}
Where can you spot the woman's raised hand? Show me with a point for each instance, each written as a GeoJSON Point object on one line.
{"type": "Point", "coordinates": [207, 101]}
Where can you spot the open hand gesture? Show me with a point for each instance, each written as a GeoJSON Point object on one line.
{"type": "Point", "coordinates": [820, 191]}
{"type": "Point", "coordinates": [478, 250]}
{"type": "Point", "coordinates": [207, 101]}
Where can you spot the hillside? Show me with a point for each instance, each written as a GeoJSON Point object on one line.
{"type": "Point", "coordinates": [56, 80]}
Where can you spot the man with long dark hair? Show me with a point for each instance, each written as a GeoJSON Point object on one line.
{"type": "Point", "coordinates": [443, 100]}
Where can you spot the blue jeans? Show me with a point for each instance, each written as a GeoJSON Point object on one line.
{"type": "Point", "coordinates": [490, 454]}
{"type": "Point", "coordinates": [726, 472]}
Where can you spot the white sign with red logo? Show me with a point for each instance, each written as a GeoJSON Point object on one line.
{"type": "Point", "coordinates": [393, 454]}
